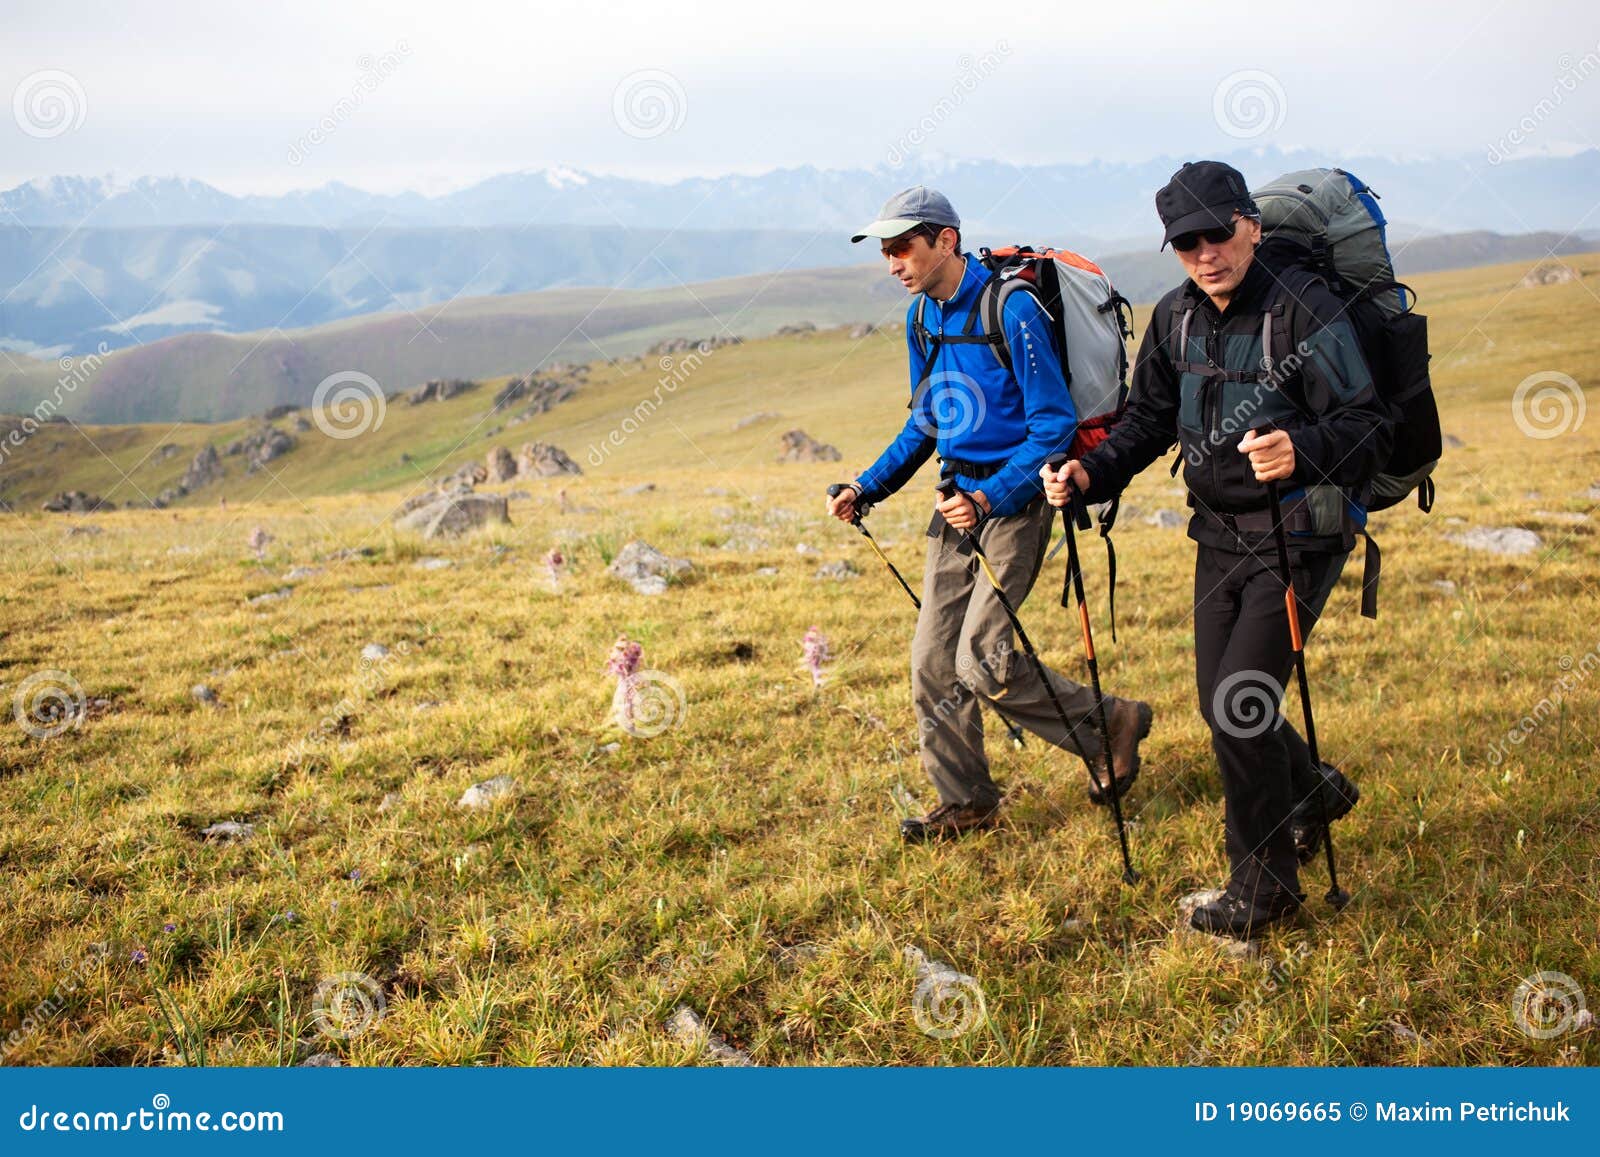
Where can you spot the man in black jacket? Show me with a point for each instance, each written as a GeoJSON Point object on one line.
{"type": "Point", "coordinates": [1236, 347]}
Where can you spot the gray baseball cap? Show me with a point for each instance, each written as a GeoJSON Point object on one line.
{"type": "Point", "coordinates": [918, 205]}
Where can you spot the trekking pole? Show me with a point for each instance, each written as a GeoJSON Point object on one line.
{"type": "Point", "coordinates": [1336, 895]}
{"type": "Point", "coordinates": [862, 509]}
{"type": "Point", "coordinates": [1074, 511]}
{"type": "Point", "coordinates": [947, 488]}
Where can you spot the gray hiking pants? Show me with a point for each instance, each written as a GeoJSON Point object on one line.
{"type": "Point", "coordinates": [965, 651]}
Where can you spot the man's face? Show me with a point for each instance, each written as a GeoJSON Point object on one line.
{"type": "Point", "coordinates": [915, 260]}
{"type": "Point", "coordinates": [1217, 265]}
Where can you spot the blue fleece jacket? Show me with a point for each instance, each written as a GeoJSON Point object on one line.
{"type": "Point", "coordinates": [972, 409]}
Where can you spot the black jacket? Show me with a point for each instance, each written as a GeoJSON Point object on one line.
{"type": "Point", "coordinates": [1208, 396]}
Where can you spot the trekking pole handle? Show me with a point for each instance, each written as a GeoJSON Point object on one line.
{"type": "Point", "coordinates": [862, 508]}
{"type": "Point", "coordinates": [1076, 508]}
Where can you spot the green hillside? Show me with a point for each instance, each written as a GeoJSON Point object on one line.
{"type": "Point", "coordinates": [742, 858]}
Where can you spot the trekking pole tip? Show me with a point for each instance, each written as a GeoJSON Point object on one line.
{"type": "Point", "coordinates": [1337, 898]}
{"type": "Point", "coordinates": [1130, 877]}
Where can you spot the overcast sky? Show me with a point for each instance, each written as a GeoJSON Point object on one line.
{"type": "Point", "coordinates": [431, 96]}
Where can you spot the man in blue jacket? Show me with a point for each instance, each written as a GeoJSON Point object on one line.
{"type": "Point", "coordinates": [993, 429]}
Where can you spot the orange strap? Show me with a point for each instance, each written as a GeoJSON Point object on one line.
{"type": "Point", "coordinates": [1088, 637]}
{"type": "Point", "coordinates": [1294, 618]}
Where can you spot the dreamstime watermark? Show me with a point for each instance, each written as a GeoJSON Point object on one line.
{"type": "Point", "coordinates": [49, 103]}
{"type": "Point", "coordinates": [1245, 704]}
{"type": "Point", "coordinates": [1570, 76]}
{"type": "Point", "coordinates": [374, 70]}
{"type": "Point", "coordinates": [74, 372]}
{"type": "Point", "coordinates": [649, 103]}
{"type": "Point", "coordinates": [648, 703]}
{"type": "Point", "coordinates": [971, 73]}
{"type": "Point", "coordinates": [347, 1004]}
{"type": "Point", "coordinates": [1275, 976]}
{"type": "Point", "coordinates": [949, 404]}
{"type": "Point", "coordinates": [74, 974]}
{"type": "Point", "coordinates": [1549, 1004]}
{"type": "Point", "coordinates": [1248, 103]}
{"type": "Point", "coordinates": [970, 669]}
{"type": "Point", "coordinates": [356, 406]}
{"type": "Point", "coordinates": [674, 373]}
{"type": "Point", "coordinates": [1547, 405]}
{"type": "Point", "coordinates": [1574, 673]}
{"type": "Point", "coordinates": [1241, 417]}
{"type": "Point", "coordinates": [49, 703]}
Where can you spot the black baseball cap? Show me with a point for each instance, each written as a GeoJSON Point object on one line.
{"type": "Point", "coordinates": [1202, 195]}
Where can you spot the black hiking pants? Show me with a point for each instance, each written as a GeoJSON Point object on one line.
{"type": "Point", "coordinates": [1244, 671]}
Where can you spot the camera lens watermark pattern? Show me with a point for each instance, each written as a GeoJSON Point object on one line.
{"type": "Point", "coordinates": [346, 1004]}
{"type": "Point", "coordinates": [49, 703]}
{"type": "Point", "coordinates": [49, 104]}
{"type": "Point", "coordinates": [1245, 704]}
{"type": "Point", "coordinates": [1248, 103]}
{"type": "Point", "coordinates": [649, 103]}
{"type": "Point", "coordinates": [1549, 1004]}
{"type": "Point", "coordinates": [954, 405]}
{"type": "Point", "coordinates": [356, 404]}
{"type": "Point", "coordinates": [947, 1004]}
{"type": "Point", "coordinates": [1548, 404]}
{"type": "Point", "coordinates": [648, 703]}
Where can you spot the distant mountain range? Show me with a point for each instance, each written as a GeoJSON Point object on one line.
{"type": "Point", "coordinates": [91, 260]}
{"type": "Point", "coordinates": [214, 377]}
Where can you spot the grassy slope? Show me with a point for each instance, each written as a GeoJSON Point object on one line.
{"type": "Point", "coordinates": [219, 376]}
{"type": "Point", "coordinates": [745, 861]}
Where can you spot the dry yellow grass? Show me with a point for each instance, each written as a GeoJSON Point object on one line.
{"type": "Point", "coordinates": [745, 861]}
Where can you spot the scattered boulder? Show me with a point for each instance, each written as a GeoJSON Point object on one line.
{"type": "Point", "coordinates": [542, 460]}
{"type": "Point", "coordinates": [270, 596]}
{"type": "Point", "coordinates": [501, 466]}
{"type": "Point", "coordinates": [258, 448]}
{"type": "Point", "coordinates": [228, 831]}
{"type": "Point", "coordinates": [798, 446]}
{"type": "Point", "coordinates": [703, 345]}
{"type": "Point", "coordinates": [481, 795]}
{"type": "Point", "coordinates": [541, 395]}
{"type": "Point", "coordinates": [646, 568]}
{"type": "Point", "coordinates": [865, 329]}
{"type": "Point", "coordinates": [450, 489]}
{"type": "Point", "coordinates": [76, 502]}
{"type": "Point", "coordinates": [752, 419]}
{"type": "Point", "coordinates": [390, 801]}
{"type": "Point", "coordinates": [642, 488]}
{"type": "Point", "coordinates": [1548, 273]}
{"type": "Point", "coordinates": [88, 529]}
{"type": "Point", "coordinates": [279, 411]}
{"type": "Point", "coordinates": [297, 573]}
{"type": "Point", "coordinates": [204, 469]}
{"type": "Point", "coordinates": [455, 515]}
{"type": "Point", "coordinates": [300, 424]}
{"type": "Point", "coordinates": [439, 390]}
{"type": "Point", "coordinates": [838, 571]}
{"type": "Point", "coordinates": [167, 450]}
{"type": "Point", "coordinates": [434, 563]}
{"type": "Point", "coordinates": [797, 329]}
{"type": "Point", "coordinates": [468, 475]}
{"type": "Point", "coordinates": [1167, 519]}
{"type": "Point", "coordinates": [1504, 540]}
{"type": "Point", "coordinates": [373, 652]}
{"type": "Point", "coordinates": [1444, 586]}
{"type": "Point", "coordinates": [687, 1026]}
{"type": "Point", "coordinates": [203, 694]}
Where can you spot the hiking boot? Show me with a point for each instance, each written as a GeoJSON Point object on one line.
{"type": "Point", "coordinates": [1305, 819]}
{"type": "Point", "coordinates": [1128, 722]}
{"type": "Point", "coordinates": [1245, 914]}
{"type": "Point", "coordinates": [949, 820]}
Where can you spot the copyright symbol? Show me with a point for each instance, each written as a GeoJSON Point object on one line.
{"type": "Point", "coordinates": [1358, 1112]}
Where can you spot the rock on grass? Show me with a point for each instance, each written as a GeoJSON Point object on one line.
{"type": "Point", "coordinates": [687, 1026]}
